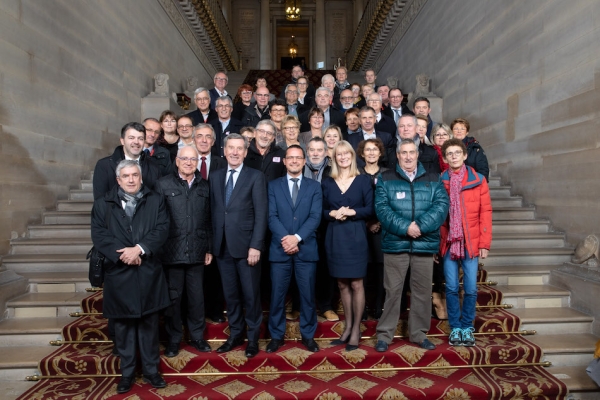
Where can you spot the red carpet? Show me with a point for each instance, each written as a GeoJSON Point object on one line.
{"type": "Point", "coordinates": [294, 373]}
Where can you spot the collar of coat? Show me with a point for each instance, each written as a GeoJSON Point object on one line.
{"type": "Point", "coordinates": [471, 179]}
{"type": "Point", "coordinates": [420, 171]}
{"type": "Point", "coordinates": [113, 195]}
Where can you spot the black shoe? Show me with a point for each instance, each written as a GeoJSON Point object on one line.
{"type": "Point", "coordinates": [230, 344]}
{"type": "Point", "coordinates": [125, 384]}
{"type": "Point", "coordinates": [381, 346]}
{"type": "Point", "coordinates": [350, 347]}
{"type": "Point", "coordinates": [201, 345]}
{"type": "Point", "coordinates": [156, 381]}
{"type": "Point", "coordinates": [310, 345]}
{"type": "Point", "coordinates": [218, 317]}
{"type": "Point", "coordinates": [274, 345]}
{"type": "Point", "coordinates": [427, 345]}
{"type": "Point", "coordinates": [339, 342]}
{"type": "Point", "coordinates": [172, 350]}
{"type": "Point", "coordinates": [252, 349]}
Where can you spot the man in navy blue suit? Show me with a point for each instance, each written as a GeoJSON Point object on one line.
{"type": "Point", "coordinates": [220, 80]}
{"type": "Point", "coordinates": [238, 200]}
{"type": "Point", "coordinates": [295, 206]}
{"type": "Point", "coordinates": [369, 131]}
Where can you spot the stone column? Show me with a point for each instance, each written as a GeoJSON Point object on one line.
{"type": "Point", "coordinates": [359, 7]}
{"type": "Point", "coordinates": [320, 50]}
{"type": "Point", "coordinates": [265, 36]}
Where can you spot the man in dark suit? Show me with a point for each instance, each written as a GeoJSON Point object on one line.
{"type": "Point", "coordinates": [203, 114]}
{"type": "Point", "coordinates": [295, 206]}
{"type": "Point", "coordinates": [396, 108]}
{"type": "Point", "coordinates": [238, 197]}
{"type": "Point", "coordinates": [333, 116]}
{"type": "Point", "coordinates": [383, 123]}
{"type": "Point", "coordinates": [224, 125]}
{"type": "Point", "coordinates": [367, 125]}
{"type": "Point", "coordinates": [159, 154]}
{"type": "Point", "coordinates": [220, 81]}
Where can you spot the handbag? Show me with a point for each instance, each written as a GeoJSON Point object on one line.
{"type": "Point", "coordinates": [96, 270]}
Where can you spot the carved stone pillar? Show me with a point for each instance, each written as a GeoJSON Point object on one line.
{"type": "Point", "coordinates": [265, 36]}
{"type": "Point", "coordinates": [320, 50]}
{"type": "Point", "coordinates": [359, 7]}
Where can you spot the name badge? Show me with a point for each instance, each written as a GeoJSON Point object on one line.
{"type": "Point", "coordinates": [400, 195]}
{"type": "Point", "coordinates": [276, 159]}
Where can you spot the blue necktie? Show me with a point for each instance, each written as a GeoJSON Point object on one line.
{"type": "Point", "coordinates": [229, 186]}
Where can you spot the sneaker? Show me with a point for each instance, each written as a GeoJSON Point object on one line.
{"type": "Point", "coordinates": [468, 339]}
{"type": "Point", "coordinates": [456, 337]}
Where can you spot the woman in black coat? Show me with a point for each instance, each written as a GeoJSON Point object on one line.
{"type": "Point", "coordinates": [476, 157]}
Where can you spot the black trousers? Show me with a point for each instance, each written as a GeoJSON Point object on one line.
{"type": "Point", "coordinates": [190, 277]}
{"type": "Point", "coordinates": [134, 333]}
{"type": "Point", "coordinates": [214, 302]}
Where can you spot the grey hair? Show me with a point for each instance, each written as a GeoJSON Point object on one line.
{"type": "Point", "coordinates": [321, 89]}
{"type": "Point", "coordinates": [205, 126]}
{"type": "Point", "coordinates": [191, 147]}
{"type": "Point", "coordinates": [225, 98]}
{"type": "Point", "coordinates": [200, 90]}
{"type": "Point", "coordinates": [414, 117]}
{"type": "Point", "coordinates": [268, 122]}
{"type": "Point", "coordinates": [127, 164]}
{"type": "Point", "coordinates": [327, 77]}
{"type": "Point", "coordinates": [232, 136]}
{"type": "Point", "coordinates": [291, 84]}
{"type": "Point", "coordinates": [407, 141]}
{"type": "Point", "coordinates": [378, 96]}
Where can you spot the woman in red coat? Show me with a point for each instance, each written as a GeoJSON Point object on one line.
{"type": "Point", "coordinates": [466, 236]}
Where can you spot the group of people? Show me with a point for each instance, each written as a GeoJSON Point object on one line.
{"type": "Point", "coordinates": [296, 197]}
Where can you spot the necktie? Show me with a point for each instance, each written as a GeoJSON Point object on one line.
{"type": "Point", "coordinates": [294, 190]}
{"type": "Point", "coordinates": [396, 116]}
{"type": "Point", "coordinates": [229, 186]}
{"type": "Point", "coordinates": [147, 152]}
{"type": "Point", "coordinates": [203, 169]}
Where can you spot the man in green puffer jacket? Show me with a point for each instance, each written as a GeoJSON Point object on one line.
{"type": "Point", "coordinates": [411, 205]}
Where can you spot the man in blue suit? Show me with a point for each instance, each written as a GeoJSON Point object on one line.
{"type": "Point", "coordinates": [295, 206]}
{"type": "Point", "coordinates": [238, 200]}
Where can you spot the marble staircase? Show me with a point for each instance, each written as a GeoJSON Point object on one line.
{"type": "Point", "coordinates": [524, 252]}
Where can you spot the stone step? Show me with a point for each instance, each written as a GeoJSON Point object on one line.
{"type": "Point", "coordinates": [581, 386]}
{"type": "Point", "coordinates": [527, 240]}
{"type": "Point", "coordinates": [494, 182]}
{"type": "Point", "coordinates": [520, 274]}
{"type": "Point", "coordinates": [521, 226]}
{"type": "Point", "coordinates": [510, 213]}
{"type": "Point", "coordinates": [74, 205]}
{"type": "Point", "coordinates": [59, 231]}
{"type": "Point", "coordinates": [500, 191]}
{"type": "Point", "coordinates": [12, 389]}
{"type": "Point", "coordinates": [32, 331]}
{"type": "Point", "coordinates": [554, 320]}
{"type": "Point", "coordinates": [66, 217]}
{"type": "Point", "coordinates": [23, 263]}
{"type": "Point", "coordinates": [529, 256]}
{"type": "Point", "coordinates": [20, 361]}
{"type": "Point", "coordinates": [567, 349]}
{"type": "Point", "coordinates": [38, 305]}
{"type": "Point", "coordinates": [87, 184]}
{"type": "Point", "coordinates": [51, 246]}
{"type": "Point", "coordinates": [534, 296]}
{"type": "Point", "coordinates": [81, 195]}
{"type": "Point", "coordinates": [49, 282]}
{"type": "Point", "coordinates": [512, 201]}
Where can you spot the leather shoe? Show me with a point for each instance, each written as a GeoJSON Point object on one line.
{"type": "Point", "coordinates": [156, 381]}
{"type": "Point", "coordinates": [310, 345]}
{"type": "Point", "coordinates": [427, 345]}
{"type": "Point", "coordinates": [381, 346]}
{"type": "Point", "coordinates": [274, 345]}
{"type": "Point", "coordinates": [201, 345]}
{"type": "Point", "coordinates": [172, 350]}
{"type": "Point", "coordinates": [351, 347]}
{"type": "Point", "coordinates": [339, 342]}
{"type": "Point", "coordinates": [251, 349]}
{"type": "Point", "coordinates": [230, 344]}
{"type": "Point", "coordinates": [125, 384]}
{"type": "Point", "coordinates": [217, 317]}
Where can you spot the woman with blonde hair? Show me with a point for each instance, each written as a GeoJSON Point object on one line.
{"type": "Point", "coordinates": [332, 136]}
{"type": "Point", "coordinates": [347, 206]}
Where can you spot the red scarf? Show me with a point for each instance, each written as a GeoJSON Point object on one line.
{"type": "Point", "coordinates": [456, 236]}
{"type": "Point", "coordinates": [443, 164]}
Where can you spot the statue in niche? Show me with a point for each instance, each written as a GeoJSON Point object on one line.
{"type": "Point", "coordinates": [392, 82]}
{"type": "Point", "coordinates": [587, 251]}
{"type": "Point", "coordinates": [161, 84]}
{"type": "Point", "coordinates": [191, 83]}
{"type": "Point", "coordinates": [422, 88]}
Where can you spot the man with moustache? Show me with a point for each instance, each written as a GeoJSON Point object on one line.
{"type": "Point", "coordinates": [159, 154]}
{"type": "Point", "coordinates": [188, 248]}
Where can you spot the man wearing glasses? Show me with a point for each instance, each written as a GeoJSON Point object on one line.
{"type": "Point", "coordinates": [396, 109]}
{"type": "Point", "coordinates": [218, 91]}
{"type": "Point", "coordinates": [185, 131]}
{"type": "Point", "coordinates": [204, 114]}
{"type": "Point", "coordinates": [263, 154]}
{"type": "Point", "coordinates": [346, 101]}
{"type": "Point", "coordinates": [188, 248]}
{"type": "Point", "coordinates": [225, 124]}
{"type": "Point", "coordinates": [383, 123]}
{"type": "Point", "coordinates": [258, 111]}
{"type": "Point", "coordinates": [291, 98]}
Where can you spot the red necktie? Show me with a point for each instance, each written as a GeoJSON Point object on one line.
{"type": "Point", "coordinates": [203, 171]}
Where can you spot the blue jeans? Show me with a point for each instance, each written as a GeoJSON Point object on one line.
{"type": "Point", "coordinates": [457, 319]}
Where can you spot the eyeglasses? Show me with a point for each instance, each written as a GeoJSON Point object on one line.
{"type": "Point", "coordinates": [246, 93]}
{"type": "Point", "coordinates": [289, 128]}
{"type": "Point", "coordinates": [221, 79]}
{"type": "Point", "coordinates": [347, 98]}
{"type": "Point", "coordinates": [186, 159]}
{"type": "Point", "coordinates": [293, 91]}
{"type": "Point", "coordinates": [202, 98]}
{"type": "Point", "coordinates": [441, 135]}
{"type": "Point", "coordinates": [261, 95]}
{"type": "Point", "coordinates": [264, 132]}
{"type": "Point", "coordinates": [452, 154]}
{"type": "Point", "coordinates": [294, 158]}
{"type": "Point", "coordinates": [371, 150]}
{"type": "Point", "coordinates": [223, 106]}
{"type": "Point", "coordinates": [184, 126]}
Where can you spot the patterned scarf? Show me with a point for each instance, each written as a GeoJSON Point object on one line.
{"type": "Point", "coordinates": [315, 171]}
{"type": "Point", "coordinates": [342, 85]}
{"type": "Point", "coordinates": [130, 202]}
{"type": "Point", "coordinates": [456, 237]}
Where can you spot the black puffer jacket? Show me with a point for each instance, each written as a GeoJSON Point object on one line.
{"type": "Point", "coordinates": [429, 158]}
{"type": "Point", "coordinates": [190, 233]}
{"type": "Point", "coordinates": [476, 157]}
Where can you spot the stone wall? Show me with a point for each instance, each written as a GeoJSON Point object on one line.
{"type": "Point", "coordinates": [72, 74]}
{"type": "Point", "coordinates": [526, 74]}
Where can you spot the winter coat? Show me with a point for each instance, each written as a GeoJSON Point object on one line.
{"type": "Point", "coordinates": [476, 207]}
{"type": "Point", "coordinates": [398, 202]}
{"type": "Point", "coordinates": [476, 157]}
{"type": "Point", "coordinates": [131, 291]}
{"type": "Point", "coordinates": [190, 230]}
{"type": "Point", "coordinates": [271, 164]}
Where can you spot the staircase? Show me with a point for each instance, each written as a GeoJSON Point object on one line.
{"type": "Point", "coordinates": [524, 252]}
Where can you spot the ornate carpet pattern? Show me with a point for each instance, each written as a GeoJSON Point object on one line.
{"type": "Point", "coordinates": [405, 371]}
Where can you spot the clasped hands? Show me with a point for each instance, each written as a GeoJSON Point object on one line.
{"type": "Point", "coordinates": [290, 244]}
{"type": "Point", "coordinates": [342, 214]}
{"type": "Point", "coordinates": [131, 255]}
{"type": "Point", "coordinates": [413, 230]}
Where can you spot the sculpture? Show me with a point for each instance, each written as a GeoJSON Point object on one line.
{"type": "Point", "coordinates": [161, 84]}
{"type": "Point", "coordinates": [191, 83]}
{"type": "Point", "coordinates": [587, 250]}
{"type": "Point", "coordinates": [392, 82]}
{"type": "Point", "coordinates": [422, 87]}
